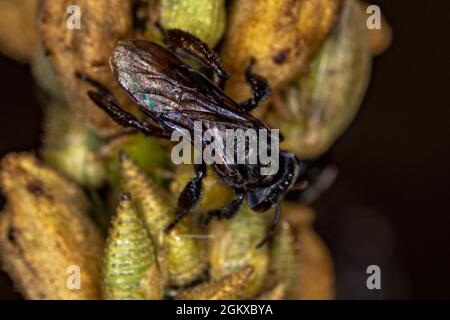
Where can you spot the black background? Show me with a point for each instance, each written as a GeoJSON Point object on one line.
{"type": "Point", "coordinates": [390, 203]}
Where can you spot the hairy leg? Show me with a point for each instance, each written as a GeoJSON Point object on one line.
{"type": "Point", "coordinates": [260, 88]}
{"type": "Point", "coordinates": [228, 211]}
{"type": "Point", "coordinates": [190, 196]}
{"type": "Point", "coordinates": [105, 100]}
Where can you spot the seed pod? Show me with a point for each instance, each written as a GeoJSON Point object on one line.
{"type": "Point", "coordinates": [226, 288]}
{"type": "Point", "coordinates": [19, 38]}
{"type": "Point", "coordinates": [70, 146]}
{"type": "Point", "coordinates": [215, 193]}
{"type": "Point", "coordinates": [234, 245]}
{"type": "Point", "coordinates": [325, 101]}
{"type": "Point", "coordinates": [85, 50]}
{"type": "Point", "coordinates": [130, 269]}
{"type": "Point", "coordinates": [316, 274]}
{"type": "Point", "coordinates": [282, 35]}
{"type": "Point", "coordinates": [202, 18]}
{"type": "Point", "coordinates": [284, 259]}
{"type": "Point", "coordinates": [181, 255]}
{"type": "Point", "coordinates": [278, 292]}
{"type": "Point", "coordinates": [48, 244]}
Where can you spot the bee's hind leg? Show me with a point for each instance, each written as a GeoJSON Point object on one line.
{"type": "Point", "coordinates": [190, 196]}
{"type": "Point", "coordinates": [260, 88]}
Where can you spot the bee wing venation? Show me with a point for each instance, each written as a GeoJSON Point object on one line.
{"type": "Point", "coordinates": [168, 88]}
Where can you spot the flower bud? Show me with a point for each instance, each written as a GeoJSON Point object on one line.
{"type": "Point", "coordinates": [281, 35]}
{"type": "Point", "coordinates": [181, 253]}
{"type": "Point", "coordinates": [227, 288]}
{"type": "Point", "coordinates": [204, 19]}
{"type": "Point", "coordinates": [284, 259]}
{"type": "Point", "coordinates": [130, 269]}
{"type": "Point", "coordinates": [233, 245]}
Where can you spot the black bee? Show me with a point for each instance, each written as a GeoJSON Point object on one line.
{"type": "Point", "coordinates": [153, 75]}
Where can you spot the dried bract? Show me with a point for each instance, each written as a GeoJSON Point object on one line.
{"type": "Point", "coordinates": [85, 50]}
{"type": "Point", "coordinates": [281, 35]}
{"type": "Point", "coordinates": [181, 253]}
{"type": "Point", "coordinates": [48, 244]}
{"type": "Point", "coordinates": [69, 146]}
{"type": "Point", "coordinates": [215, 193]}
{"type": "Point", "coordinates": [278, 292]}
{"type": "Point", "coordinates": [227, 288]}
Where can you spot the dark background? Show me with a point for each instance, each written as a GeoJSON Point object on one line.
{"type": "Point", "coordinates": [390, 203]}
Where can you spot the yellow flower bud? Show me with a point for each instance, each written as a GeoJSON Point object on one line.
{"type": "Point", "coordinates": [204, 19]}
{"type": "Point", "coordinates": [215, 193]}
{"type": "Point", "coordinates": [233, 245]}
{"type": "Point", "coordinates": [130, 269]}
{"type": "Point", "coordinates": [181, 252]}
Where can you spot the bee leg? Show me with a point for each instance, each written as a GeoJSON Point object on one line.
{"type": "Point", "coordinates": [260, 87]}
{"type": "Point", "coordinates": [228, 211]}
{"type": "Point", "coordinates": [275, 221]}
{"type": "Point", "coordinates": [189, 45]}
{"type": "Point", "coordinates": [103, 98]}
{"type": "Point", "coordinates": [190, 196]}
